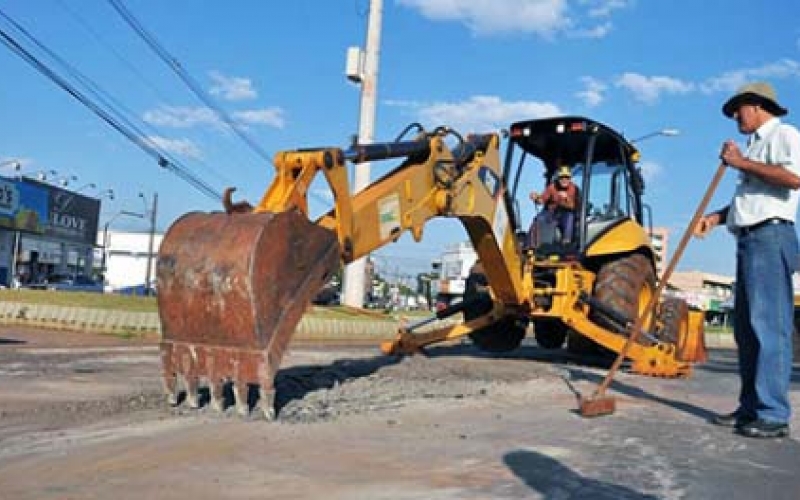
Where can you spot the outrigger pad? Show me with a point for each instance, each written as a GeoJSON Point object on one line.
{"type": "Point", "coordinates": [691, 345]}
{"type": "Point", "coordinates": [230, 284]}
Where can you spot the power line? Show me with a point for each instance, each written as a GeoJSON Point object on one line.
{"type": "Point", "coordinates": [130, 67]}
{"type": "Point", "coordinates": [119, 123]}
{"type": "Point", "coordinates": [175, 65]}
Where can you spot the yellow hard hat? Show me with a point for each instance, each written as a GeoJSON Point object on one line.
{"type": "Point", "coordinates": [564, 171]}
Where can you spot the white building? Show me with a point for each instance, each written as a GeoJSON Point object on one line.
{"type": "Point", "coordinates": [126, 257]}
{"type": "Point", "coordinates": [455, 263]}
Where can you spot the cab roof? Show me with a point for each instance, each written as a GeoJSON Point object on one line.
{"type": "Point", "coordinates": [565, 139]}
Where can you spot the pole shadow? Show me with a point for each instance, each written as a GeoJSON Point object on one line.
{"type": "Point", "coordinates": [5, 341]}
{"type": "Point", "coordinates": [554, 480]}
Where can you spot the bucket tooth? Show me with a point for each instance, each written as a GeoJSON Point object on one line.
{"type": "Point", "coordinates": [171, 390]}
{"type": "Point", "coordinates": [216, 391]}
{"type": "Point", "coordinates": [168, 376]}
{"type": "Point", "coordinates": [192, 392]}
{"type": "Point", "coordinates": [266, 403]}
{"type": "Point", "coordinates": [241, 392]}
{"type": "Point", "coordinates": [231, 291]}
{"type": "Point", "coordinates": [186, 396]}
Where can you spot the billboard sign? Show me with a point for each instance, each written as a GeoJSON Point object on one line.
{"type": "Point", "coordinates": [72, 216]}
{"type": "Point", "coordinates": [23, 206]}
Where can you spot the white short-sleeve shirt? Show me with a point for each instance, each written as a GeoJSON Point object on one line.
{"type": "Point", "coordinates": [754, 201]}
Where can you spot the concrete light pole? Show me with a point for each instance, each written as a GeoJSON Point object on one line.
{"type": "Point", "coordinates": [365, 72]}
{"type": "Point", "coordinates": [150, 245]}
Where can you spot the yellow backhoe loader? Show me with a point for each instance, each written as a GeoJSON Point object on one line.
{"type": "Point", "coordinates": [233, 285]}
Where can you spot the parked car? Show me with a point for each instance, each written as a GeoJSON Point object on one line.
{"type": "Point", "coordinates": [73, 284]}
{"type": "Point", "coordinates": [328, 296]}
{"type": "Point", "coordinates": [139, 290]}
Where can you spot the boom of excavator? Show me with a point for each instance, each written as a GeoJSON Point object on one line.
{"type": "Point", "coordinates": [233, 285]}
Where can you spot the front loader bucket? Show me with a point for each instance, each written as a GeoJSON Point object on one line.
{"type": "Point", "coordinates": [231, 291]}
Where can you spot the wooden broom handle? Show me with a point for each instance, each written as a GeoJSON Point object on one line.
{"type": "Point", "coordinates": [676, 257]}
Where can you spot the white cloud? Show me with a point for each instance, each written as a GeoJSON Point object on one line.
{"type": "Point", "coordinates": [599, 31]}
{"type": "Point", "coordinates": [648, 89]}
{"type": "Point", "coordinates": [270, 116]}
{"type": "Point", "coordinates": [604, 8]}
{"type": "Point", "coordinates": [181, 117]}
{"type": "Point", "coordinates": [487, 17]}
{"type": "Point", "coordinates": [232, 88]}
{"type": "Point", "coordinates": [183, 147]}
{"type": "Point", "coordinates": [650, 171]}
{"type": "Point", "coordinates": [593, 93]}
{"type": "Point", "coordinates": [478, 113]}
{"type": "Point", "coordinates": [187, 117]}
{"type": "Point", "coordinates": [545, 18]}
{"type": "Point", "coordinates": [731, 80]}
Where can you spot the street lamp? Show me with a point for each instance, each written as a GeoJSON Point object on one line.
{"type": "Point", "coordinates": [666, 132]}
{"type": "Point", "coordinates": [17, 165]}
{"type": "Point", "coordinates": [152, 213]}
{"type": "Point", "coordinates": [65, 180]}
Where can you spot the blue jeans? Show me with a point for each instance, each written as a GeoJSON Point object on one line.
{"type": "Point", "coordinates": [543, 227]}
{"type": "Point", "coordinates": [763, 319]}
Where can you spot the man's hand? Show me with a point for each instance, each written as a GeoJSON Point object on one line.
{"type": "Point", "coordinates": [731, 155]}
{"type": "Point", "coordinates": [536, 197]}
{"type": "Point", "coordinates": [705, 225]}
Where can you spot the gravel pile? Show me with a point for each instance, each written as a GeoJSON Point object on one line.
{"type": "Point", "coordinates": [310, 394]}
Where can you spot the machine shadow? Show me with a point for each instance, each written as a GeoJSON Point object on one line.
{"type": "Point", "coordinates": [5, 341]}
{"type": "Point", "coordinates": [552, 479]}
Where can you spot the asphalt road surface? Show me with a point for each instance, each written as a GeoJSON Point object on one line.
{"type": "Point", "coordinates": [82, 417]}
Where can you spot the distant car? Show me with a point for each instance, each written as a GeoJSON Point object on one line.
{"type": "Point", "coordinates": [140, 290]}
{"type": "Point", "coordinates": [328, 296]}
{"type": "Point", "coordinates": [73, 284]}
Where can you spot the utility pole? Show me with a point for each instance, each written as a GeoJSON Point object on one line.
{"type": "Point", "coordinates": [365, 71]}
{"type": "Point", "coordinates": [150, 245]}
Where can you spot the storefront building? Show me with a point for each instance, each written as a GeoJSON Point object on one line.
{"type": "Point", "coordinates": [45, 231]}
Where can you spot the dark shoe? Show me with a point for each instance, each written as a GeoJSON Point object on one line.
{"type": "Point", "coordinates": [764, 429]}
{"type": "Point", "coordinates": [735, 419]}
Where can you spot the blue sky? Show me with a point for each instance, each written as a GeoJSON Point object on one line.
{"type": "Point", "coordinates": [476, 65]}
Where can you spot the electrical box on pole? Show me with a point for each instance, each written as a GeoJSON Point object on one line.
{"type": "Point", "coordinates": [354, 65]}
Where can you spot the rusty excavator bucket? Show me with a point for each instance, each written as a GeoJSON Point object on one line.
{"type": "Point", "coordinates": [231, 290]}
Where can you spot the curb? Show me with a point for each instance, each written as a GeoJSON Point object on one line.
{"type": "Point", "coordinates": [141, 323]}
{"type": "Point", "coordinates": [126, 322]}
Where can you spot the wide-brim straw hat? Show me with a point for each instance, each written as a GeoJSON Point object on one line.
{"type": "Point", "coordinates": [760, 93]}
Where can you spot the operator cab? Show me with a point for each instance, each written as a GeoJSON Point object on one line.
{"type": "Point", "coordinates": [603, 166]}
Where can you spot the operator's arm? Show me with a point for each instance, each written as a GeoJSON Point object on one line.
{"type": "Point", "coordinates": [547, 197]}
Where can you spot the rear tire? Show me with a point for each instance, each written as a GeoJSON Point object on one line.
{"type": "Point", "coordinates": [674, 316]}
{"type": "Point", "coordinates": [550, 334]}
{"type": "Point", "coordinates": [625, 284]}
{"type": "Point", "coordinates": [504, 335]}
